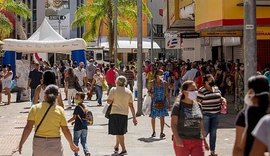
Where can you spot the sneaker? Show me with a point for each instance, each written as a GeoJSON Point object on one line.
{"type": "Point", "coordinates": [87, 154]}
{"type": "Point", "coordinates": [123, 153]}
{"type": "Point", "coordinates": [154, 134]}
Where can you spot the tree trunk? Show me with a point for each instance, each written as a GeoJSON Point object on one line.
{"type": "Point", "coordinates": [110, 30]}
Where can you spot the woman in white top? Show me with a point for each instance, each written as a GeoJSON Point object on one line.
{"type": "Point", "coordinates": [97, 82]}
{"type": "Point", "coordinates": [6, 82]}
{"type": "Point", "coordinates": [48, 78]}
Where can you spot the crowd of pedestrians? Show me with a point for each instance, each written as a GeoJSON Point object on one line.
{"type": "Point", "coordinates": [194, 92]}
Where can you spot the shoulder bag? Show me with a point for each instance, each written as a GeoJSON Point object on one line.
{"type": "Point", "coordinates": [77, 85]}
{"type": "Point", "coordinates": [43, 118]}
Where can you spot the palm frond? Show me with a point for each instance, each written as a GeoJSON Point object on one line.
{"type": "Point", "coordinates": [18, 8]}
{"type": "Point", "coordinates": [6, 27]}
{"type": "Point", "coordinates": [125, 26]}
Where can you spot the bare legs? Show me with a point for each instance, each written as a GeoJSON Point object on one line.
{"type": "Point", "coordinates": [162, 123]}
{"type": "Point", "coordinates": [120, 140]}
{"type": "Point", "coordinates": [8, 95]}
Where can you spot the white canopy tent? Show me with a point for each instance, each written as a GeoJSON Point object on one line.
{"type": "Point", "coordinates": [125, 45]}
{"type": "Point", "coordinates": [44, 40]}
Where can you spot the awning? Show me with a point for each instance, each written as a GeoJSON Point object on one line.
{"type": "Point", "coordinates": [127, 45]}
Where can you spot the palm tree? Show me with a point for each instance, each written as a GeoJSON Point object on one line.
{"type": "Point", "coordinates": [16, 7]}
{"type": "Point", "coordinates": [100, 13]}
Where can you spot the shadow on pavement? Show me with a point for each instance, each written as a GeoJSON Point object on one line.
{"type": "Point", "coordinates": [150, 140]}
{"type": "Point", "coordinates": [24, 112]}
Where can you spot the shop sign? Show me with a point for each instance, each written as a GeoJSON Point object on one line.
{"type": "Point", "coordinates": [222, 34]}
{"type": "Point", "coordinates": [190, 35]}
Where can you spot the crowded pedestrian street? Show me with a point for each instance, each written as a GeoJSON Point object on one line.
{"type": "Point", "coordinates": [138, 142]}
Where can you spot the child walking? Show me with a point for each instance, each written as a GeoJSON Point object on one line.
{"type": "Point", "coordinates": [80, 127]}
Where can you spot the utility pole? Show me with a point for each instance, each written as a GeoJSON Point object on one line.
{"type": "Point", "coordinates": [152, 40]}
{"type": "Point", "coordinates": [115, 30]}
{"type": "Point", "coordinates": [139, 57]}
{"type": "Point", "coordinates": [250, 40]}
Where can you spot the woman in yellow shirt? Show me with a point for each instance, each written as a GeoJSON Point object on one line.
{"type": "Point", "coordinates": [48, 118]}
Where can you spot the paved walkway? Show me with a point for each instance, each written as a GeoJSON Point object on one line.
{"type": "Point", "coordinates": [138, 140]}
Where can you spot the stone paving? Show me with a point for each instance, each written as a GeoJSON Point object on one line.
{"type": "Point", "coordinates": [138, 140]}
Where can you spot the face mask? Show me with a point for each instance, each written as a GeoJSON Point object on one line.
{"type": "Point", "coordinates": [98, 73]}
{"type": "Point", "coordinates": [77, 102]}
{"type": "Point", "coordinates": [248, 97]}
{"type": "Point", "coordinates": [212, 83]}
{"type": "Point", "coordinates": [192, 95]}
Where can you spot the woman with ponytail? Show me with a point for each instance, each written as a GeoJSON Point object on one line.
{"type": "Point", "coordinates": [187, 123]}
{"type": "Point", "coordinates": [48, 118]}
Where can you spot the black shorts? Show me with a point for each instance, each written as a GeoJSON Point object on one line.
{"type": "Point", "coordinates": [1, 87]}
{"type": "Point", "coordinates": [118, 124]}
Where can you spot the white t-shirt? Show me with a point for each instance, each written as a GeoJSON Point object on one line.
{"type": "Point", "coordinates": [81, 74]}
{"type": "Point", "coordinates": [261, 131]}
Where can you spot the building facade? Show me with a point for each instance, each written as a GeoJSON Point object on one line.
{"type": "Point", "coordinates": [219, 25]}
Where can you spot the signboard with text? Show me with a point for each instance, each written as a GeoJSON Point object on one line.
{"type": "Point", "coordinates": [56, 10]}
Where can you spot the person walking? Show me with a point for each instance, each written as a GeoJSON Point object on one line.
{"type": "Point", "coordinates": [8, 75]}
{"type": "Point", "coordinates": [48, 78]}
{"type": "Point", "coordinates": [111, 76]}
{"type": "Point", "coordinates": [80, 72]}
{"type": "Point", "coordinates": [187, 123]}
{"type": "Point", "coordinates": [70, 83]}
{"type": "Point", "coordinates": [90, 72]}
{"type": "Point", "coordinates": [47, 118]}
{"type": "Point", "coordinates": [239, 88]}
{"type": "Point", "coordinates": [191, 74]}
{"type": "Point", "coordinates": [121, 100]}
{"type": "Point", "coordinates": [257, 100]}
{"type": "Point", "coordinates": [34, 80]}
{"type": "Point", "coordinates": [130, 78]}
{"type": "Point", "coordinates": [80, 129]}
{"type": "Point", "coordinates": [158, 89]}
{"type": "Point", "coordinates": [210, 97]}
{"type": "Point", "coordinates": [97, 83]}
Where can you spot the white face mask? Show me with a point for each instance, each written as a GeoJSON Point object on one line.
{"type": "Point", "coordinates": [249, 97]}
{"type": "Point", "coordinates": [192, 95]}
{"type": "Point", "coordinates": [98, 72]}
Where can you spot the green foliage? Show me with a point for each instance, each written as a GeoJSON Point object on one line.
{"type": "Point", "coordinates": [13, 6]}
{"type": "Point", "coordinates": [100, 12]}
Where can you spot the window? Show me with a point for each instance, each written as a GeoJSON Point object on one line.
{"type": "Point", "coordinates": [98, 56]}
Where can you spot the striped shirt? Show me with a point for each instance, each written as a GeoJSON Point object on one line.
{"type": "Point", "coordinates": [211, 101]}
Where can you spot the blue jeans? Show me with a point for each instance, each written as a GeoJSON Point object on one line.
{"type": "Point", "coordinates": [210, 125]}
{"type": "Point", "coordinates": [81, 134]}
{"type": "Point", "coordinates": [99, 94]}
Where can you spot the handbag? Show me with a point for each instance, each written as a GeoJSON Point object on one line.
{"type": "Point", "coordinates": [43, 118]}
{"type": "Point", "coordinates": [77, 85]}
{"type": "Point", "coordinates": [108, 111]}
{"type": "Point", "coordinates": [159, 105]}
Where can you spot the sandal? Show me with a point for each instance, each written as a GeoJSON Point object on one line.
{"type": "Point", "coordinates": [213, 154]}
{"type": "Point", "coordinates": [162, 135]}
{"type": "Point", "coordinates": [123, 153]}
{"type": "Point", "coordinates": [154, 134]}
{"type": "Point", "coordinates": [116, 150]}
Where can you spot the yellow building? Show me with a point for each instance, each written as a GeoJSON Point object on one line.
{"type": "Point", "coordinates": [220, 24]}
